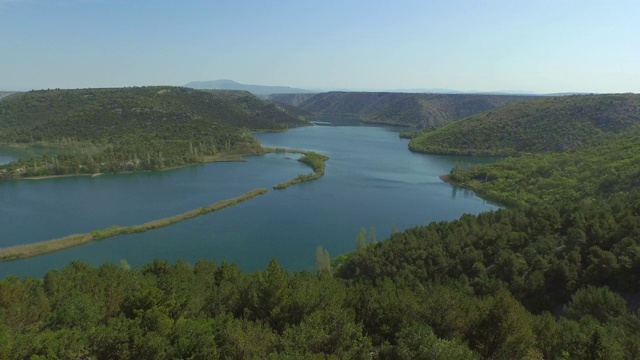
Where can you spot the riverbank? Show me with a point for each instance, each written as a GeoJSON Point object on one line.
{"type": "Point", "coordinates": [230, 156]}
{"type": "Point", "coordinates": [45, 247]}
{"type": "Point", "coordinates": [493, 199]}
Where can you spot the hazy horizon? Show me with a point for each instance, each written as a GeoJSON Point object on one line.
{"type": "Point", "coordinates": [538, 47]}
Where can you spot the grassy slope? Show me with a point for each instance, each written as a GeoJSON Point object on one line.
{"type": "Point", "coordinates": [547, 124]}
{"type": "Point", "coordinates": [403, 109]}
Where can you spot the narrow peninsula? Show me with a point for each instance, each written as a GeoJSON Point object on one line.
{"type": "Point", "coordinates": [315, 160]}
{"type": "Point", "coordinates": [45, 247]}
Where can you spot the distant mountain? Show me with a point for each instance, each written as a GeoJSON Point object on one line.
{"type": "Point", "coordinates": [544, 125]}
{"type": "Point", "coordinates": [254, 89]}
{"type": "Point", "coordinates": [398, 109]}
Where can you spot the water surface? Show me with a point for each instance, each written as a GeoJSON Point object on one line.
{"type": "Point", "coordinates": [371, 180]}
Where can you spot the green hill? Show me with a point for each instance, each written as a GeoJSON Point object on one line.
{"type": "Point", "coordinates": [542, 125]}
{"type": "Point", "coordinates": [397, 109]}
{"type": "Point", "coordinates": [134, 128]}
{"type": "Point", "coordinates": [594, 171]}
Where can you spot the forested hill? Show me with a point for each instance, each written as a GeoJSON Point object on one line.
{"type": "Point", "coordinates": [134, 128]}
{"type": "Point", "coordinates": [542, 125]}
{"type": "Point", "coordinates": [402, 109]}
{"type": "Point", "coordinates": [124, 109]}
{"type": "Point", "coordinates": [593, 171]}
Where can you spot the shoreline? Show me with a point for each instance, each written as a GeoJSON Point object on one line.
{"type": "Point", "coordinates": [45, 247]}
{"type": "Point", "coordinates": [447, 179]}
{"type": "Point", "coordinates": [222, 157]}
{"type": "Point", "coordinates": [312, 159]}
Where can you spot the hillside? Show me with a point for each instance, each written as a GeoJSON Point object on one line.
{"type": "Point", "coordinates": [593, 171]}
{"type": "Point", "coordinates": [254, 89]}
{"type": "Point", "coordinates": [398, 109]}
{"type": "Point", "coordinates": [542, 125]}
{"type": "Point", "coordinates": [133, 128]}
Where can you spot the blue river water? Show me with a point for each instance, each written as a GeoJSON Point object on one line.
{"type": "Point", "coordinates": [371, 180]}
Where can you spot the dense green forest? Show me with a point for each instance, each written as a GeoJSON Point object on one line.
{"type": "Point", "coordinates": [557, 178]}
{"type": "Point", "coordinates": [547, 124]}
{"type": "Point", "coordinates": [140, 128]}
{"type": "Point", "coordinates": [396, 109]}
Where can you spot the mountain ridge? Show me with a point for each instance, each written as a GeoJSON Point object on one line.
{"type": "Point", "coordinates": [396, 109]}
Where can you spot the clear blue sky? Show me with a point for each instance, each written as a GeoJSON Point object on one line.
{"type": "Point", "coordinates": [539, 46]}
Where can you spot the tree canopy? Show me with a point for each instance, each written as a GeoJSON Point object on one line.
{"type": "Point", "coordinates": [548, 124]}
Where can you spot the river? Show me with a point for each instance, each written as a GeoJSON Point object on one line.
{"type": "Point", "coordinates": [371, 180]}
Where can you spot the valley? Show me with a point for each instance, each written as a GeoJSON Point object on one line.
{"type": "Point", "coordinates": [406, 265]}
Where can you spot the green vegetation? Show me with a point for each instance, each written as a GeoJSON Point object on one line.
{"type": "Point", "coordinates": [543, 125]}
{"type": "Point", "coordinates": [131, 129]}
{"type": "Point", "coordinates": [541, 254]}
{"type": "Point", "coordinates": [593, 171]}
{"type": "Point", "coordinates": [45, 247]}
{"type": "Point", "coordinates": [316, 161]}
{"type": "Point", "coordinates": [481, 287]}
{"type": "Point", "coordinates": [396, 109]}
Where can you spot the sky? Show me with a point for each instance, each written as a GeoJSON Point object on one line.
{"type": "Point", "coordinates": [545, 46]}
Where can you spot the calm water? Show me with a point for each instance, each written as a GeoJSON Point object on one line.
{"type": "Point", "coordinates": [371, 180]}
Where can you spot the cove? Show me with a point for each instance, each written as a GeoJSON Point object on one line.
{"type": "Point", "coordinates": [371, 180]}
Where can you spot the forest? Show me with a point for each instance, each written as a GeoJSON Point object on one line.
{"type": "Point", "coordinates": [131, 129]}
{"type": "Point", "coordinates": [549, 124]}
{"type": "Point", "coordinates": [555, 274]}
